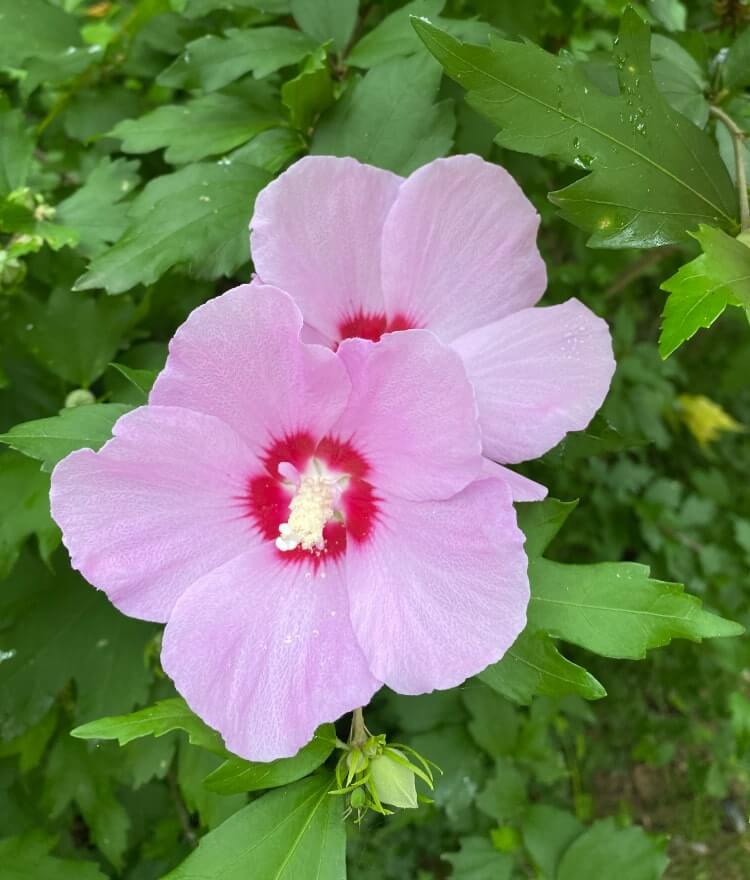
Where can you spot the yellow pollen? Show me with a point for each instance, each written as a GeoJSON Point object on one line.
{"type": "Point", "coordinates": [309, 511]}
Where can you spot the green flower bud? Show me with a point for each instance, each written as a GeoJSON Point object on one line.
{"type": "Point", "coordinates": [393, 779]}
{"type": "Point", "coordinates": [79, 397]}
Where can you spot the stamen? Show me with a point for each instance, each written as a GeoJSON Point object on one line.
{"type": "Point", "coordinates": [309, 511]}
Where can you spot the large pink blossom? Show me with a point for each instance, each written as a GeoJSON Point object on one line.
{"type": "Point", "coordinates": [307, 523]}
{"type": "Point", "coordinates": [451, 249]}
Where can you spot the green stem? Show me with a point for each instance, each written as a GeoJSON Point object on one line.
{"type": "Point", "coordinates": [738, 142]}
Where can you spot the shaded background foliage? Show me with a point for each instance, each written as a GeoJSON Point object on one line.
{"type": "Point", "coordinates": [134, 137]}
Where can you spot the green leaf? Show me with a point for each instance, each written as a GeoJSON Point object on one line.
{"type": "Point", "coordinates": [533, 665]}
{"type": "Point", "coordinates": [141, 380]}
{"type": "Point", "coordinates": [193, 765]}
{"type": "Point", "coordinates": [737, 64]}
{"type": "Point", "coordinates": [16, 148]}
{"type": "Point", "coordinates": [547, 832]}
{"type": "Point", "coordinates": [24, 510]}
{"type": "Point", "coordinates": [672, 14]}
{"type": "Point", "coordinates": [67, 618]}
{"type": "Point", "coordinates": [207, 126]}
{"type": "Point", "coordinates": [389, 118]}
{"type": "Point", "coordinates": [27, 856]}
{"type": "Point", "coordinates": [607, 851]}
{"type": "Point", "coordinates": [541, 521]}
{"type": "Point", "coordinates": [96, 210]}
{"type": "Point", "coordinates": [310, 92]}
{"type": "Point", "coordinates": [196, 217]}
{"type": "Point", "coordinates": [680, 79]}
{"type": "Point", "coordinates": [494, 722]}
{"type": "Point", "coordinates": [653, 173]}
{"type": "Point", "coordinates": [34, 28]}
{"type": "Point", "coordinates": [76, 775]}
{"type": "Point", "coordinates": [394, 36]}
{"type": "Point", "coordinates": [156, 720]}
{"type": "Point", "coordinates": [504, 796]}
{"type": "Point", "coordinates": [615, 609]}
{"type": "Point", "coordinates": [727, 260]}
{"type": "Point", "coordinates": [31, 744]}
{"type": "Point", "coordinates": [479, 860]}
{"type": "Point", "coordinates": [294, 833]}
{"type": "Point", "coordinates": [50, 440]}
{"type": "Point", "coordinates": [237, 775]}
{"type": "Point", "coordinates": [702, 289]}
{"type": "Point", "coordinates": [211, 62]}
{"type": "Point", "coordinates": [76, 335]}
{"type": "Point", "coordinates": [325, 20]}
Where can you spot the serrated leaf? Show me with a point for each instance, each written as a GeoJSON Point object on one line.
{"type": "Point", "coordinates": [96, 210]}
{"type": "Point", "coordinates": [28, 855]}
{"type": "Point", "coordinates": [76, 335]}
{"type": "Point", "coordinates": [653, 173]}
{"type": "Point", "coordinates": [616, 609]}
{"type": "Point", "coordinates": [50, 440]}
{"type": "Point", "coordinates": [163, 717]}
{"type": "Point", "coordinates": [237, 775]}
{"type": "Point", "coordinates": [206, 126]}
{"type": "Point", "coordinates": [24, 510]}
{"type": "Point", "coordinates": [211, 62]}
{"type": "Point", "coordinates": [32, 29]}
{"type": "Point", "coordinates": [702, 289]}
{"type": "Point", "coordinates": [604, 850]}
{"type": "Point", "coordinates": [16, 149]}
{"type": "Point", "coordinates": [479, 860]}
{"type": "Point", "coordinates": [290, 834]}
{"type": "Point", "coordinates": [533, 665]}
{"type": "Point", "coordinates": [69, 618]}
{"type": "Point", "coordinates": [196, 217]}
{"type": "Point", "coordinates": [325, 20]}
{"type": "Point", "coordinates": [389, 118]}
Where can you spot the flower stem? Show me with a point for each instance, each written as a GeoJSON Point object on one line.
{"type": "Point", "coordinates": [738, 142]}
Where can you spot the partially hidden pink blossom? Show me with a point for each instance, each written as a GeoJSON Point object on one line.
{"type": "Point", "coordinates": [309, 524]}
{"type": "Point", "coordinates": [451, 249]}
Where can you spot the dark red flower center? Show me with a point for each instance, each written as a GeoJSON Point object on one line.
{"type": "Point", "coordinates": [327, 464]}
{"type": "Point", "coordinates": [372, 325]}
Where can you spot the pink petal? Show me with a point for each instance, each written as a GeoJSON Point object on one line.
{"type": "Point", "coordinates": [316, 233]}
{"type": "Point", "coordinates": [537, 374]}
{"type": "Point", "coordinates": [156, 508]}
{"type": "Point", "coordinates": [521, 488]}
{"type": "Point", "coordinates": [238, 357]}
{"type": "Point", "coordinates": [441, 591]}
{"type": "Point", "coordinates": [459, 247]}
{"type": "Point", "coordinates": [411, 415]}
{"type": "Point", "coordinates": [264, 652]}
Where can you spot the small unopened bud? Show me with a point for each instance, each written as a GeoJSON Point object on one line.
{"type": "Point", "coordinates": [79, 397]}
{"type": "Point", "coordinates": [394, 779]}
{"type": "Point", "coordinates": [705, 419]}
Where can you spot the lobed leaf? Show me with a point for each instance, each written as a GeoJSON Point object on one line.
{"type": "Point", "coordinates": [653, 174]}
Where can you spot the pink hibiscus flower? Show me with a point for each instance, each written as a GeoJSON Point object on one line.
{"type": "Point", "coordinates": [308, 524]}
{"type": "Point", "coordinates": [451, 249]}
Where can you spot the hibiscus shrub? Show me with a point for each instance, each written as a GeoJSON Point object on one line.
{"type": "Point", "coordinates": [350, 444]}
